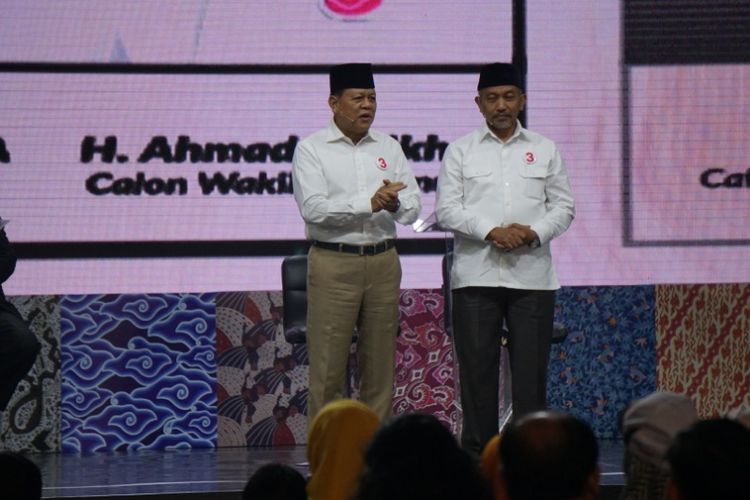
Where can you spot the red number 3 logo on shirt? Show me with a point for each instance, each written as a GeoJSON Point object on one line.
{"type": "Point", "coordinates": [530, 159]}
{"type": "Point", "coordinates": [382, 165]}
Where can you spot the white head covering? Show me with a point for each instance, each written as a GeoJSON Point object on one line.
{"type": "Point", "coordinates": [651, 423]}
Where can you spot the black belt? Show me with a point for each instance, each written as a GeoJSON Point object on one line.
{"type": "Point", "coordinates": [372, 249]}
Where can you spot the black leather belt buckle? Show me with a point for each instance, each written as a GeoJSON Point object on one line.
{"type": "Point", "coordinates": [361, 250]}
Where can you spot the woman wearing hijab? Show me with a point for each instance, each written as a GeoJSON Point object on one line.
{"type": "Point", "coordinates": [336, 444]}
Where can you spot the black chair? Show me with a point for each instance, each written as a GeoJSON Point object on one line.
{"type": "Point", "coordinates": [559, 332]}
{"type": "Point", "coordinates": [294, 294]}
{"type": "Point", "coordinates": [447, 262]}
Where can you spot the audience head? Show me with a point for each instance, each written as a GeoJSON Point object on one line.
{"type": "Point", "coordinates": [489, 461]}
{"type": "Point", "coordinates": [415, 457]}
{"type": "Point", "coordinates": [336, 444]}
{"type": "Point", "coordinates": [275, 482]}
{"type": "Point", "coordinates": [549, 455]}
{"type": "Point", "coordinates": [649, 426]}
{"type": "Point", "coordinates": [711, 459]}
{"type": "Point", "coordinates": [20, 478]}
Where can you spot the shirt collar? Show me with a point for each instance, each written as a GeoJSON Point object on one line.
{"type": "Point", "coordinates": [486, 133]}
{"type": "Point", "coordinates": [335, 134]}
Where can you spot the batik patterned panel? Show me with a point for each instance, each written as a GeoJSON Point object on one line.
{"type": "Point", "coordinates": [703, 344]}
{"type": "Point", "coordinates": [262, 379]}
{"type": "Point", "coordinates": [608, 358]}
{"type": "Point", "coordinates": [32, 420]}
{"type": "Point", "coordinates": [262, 390]}
{"type": "Point", "coordinates": [425, 381]}
{"type": "Point", "coordinates": [138, 372]}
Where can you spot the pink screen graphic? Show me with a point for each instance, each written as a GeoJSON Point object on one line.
{"type": "Point", "coordinates": [689, 153]}
{"type": "Point", "coordinates": [242, 32]}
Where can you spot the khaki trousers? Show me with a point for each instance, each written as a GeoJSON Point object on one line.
{"type": "Point", "coordinates": [347, 291]}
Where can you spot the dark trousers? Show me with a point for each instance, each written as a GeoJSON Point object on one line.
{"type": "Point", "coordinates": [18, 350]}
{"type": "Point", "coordinates": [478, 317]}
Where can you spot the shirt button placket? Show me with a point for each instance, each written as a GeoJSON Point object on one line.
{"type": "Point", "coordinates": [506, 171]}
{"type": "Point", "coordinates": [360, 168]}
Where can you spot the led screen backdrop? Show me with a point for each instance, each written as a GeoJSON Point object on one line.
{"type": "Point", "coordinates": [687, 123]}
{"type": "Point", "coordinates": [166, 128]}
{"type": "Point", "coordinates": [133, 157]}
{"type": "Point", "coordinates": [638, 125]}
{"type": "Point", "coordinates": [256, 32]}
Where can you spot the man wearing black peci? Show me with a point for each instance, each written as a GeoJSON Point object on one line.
{"type": "Point", "coordinates": [352, 185]}
{"type": "Point", "coordinates": [503, 191]}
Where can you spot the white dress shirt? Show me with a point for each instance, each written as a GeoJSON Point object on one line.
{"type": "Point", "coordinates": [334, 180]}
{"type": "Point", "coordinates": [485, 183]}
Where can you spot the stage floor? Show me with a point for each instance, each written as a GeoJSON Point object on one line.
{"type": "Point", "coordinates": [202, 474]}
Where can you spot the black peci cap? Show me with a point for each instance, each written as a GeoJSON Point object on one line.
{"type": "Point", "coordinates": [496, 74]}
{"type": "Point", "coordinates": [351, 76]}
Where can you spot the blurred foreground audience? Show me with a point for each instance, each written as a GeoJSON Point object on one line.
{"type": "Point", "coordinates": [20, 478]}
{"type": "Point", "coordinates": [489, 462]}
{"type": "Point", "coordinates": [415, 457]}
{"type": "Point", "coordinates": [649, 426]}
{"type": "Point", "coordinates": [336, 444]}
{"type": "Point", "coordinates": [275, 481]}
{"type": "Point", "coordinates": [549, 456]}
{"type": "Point", "coordinates": [710, 460]}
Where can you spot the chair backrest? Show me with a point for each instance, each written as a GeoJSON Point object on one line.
{"type": "Point", "coordinates": [294, 294]}
{"type": "Point", "coordinates": [559, 333]}
{"type": "Point", "coordinates": [446, 264]}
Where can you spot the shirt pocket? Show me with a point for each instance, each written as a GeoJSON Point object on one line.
{"type": "Point", "coordinates": [477, 166]}
{"type": "Point", "coordinates": [477, 183]}
{"type": "Point", "coordinates": [534, 181]}
{"type": "Point", "coordinates": [476, 172]}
